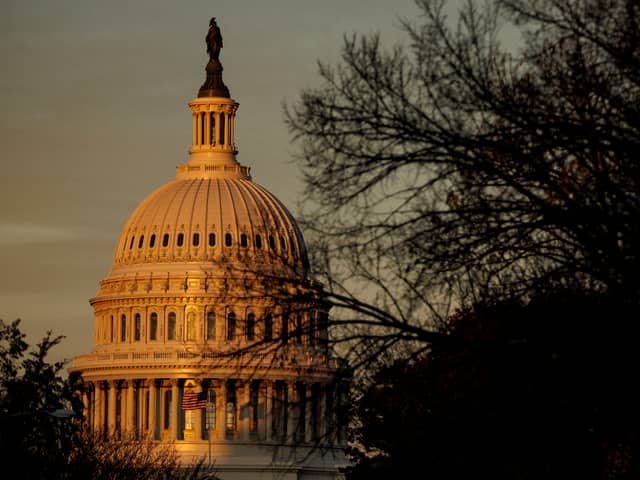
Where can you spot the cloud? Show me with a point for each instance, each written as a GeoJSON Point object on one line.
{"type": "Point", "coordinates": [19, 234]}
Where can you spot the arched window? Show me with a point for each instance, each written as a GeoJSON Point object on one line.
{"type": "Point", "coordinates": [212, 239]}
{"type": "Point", "coordinates": [123, 328]}
{"type": "Point", "coordinates": [272, 243]}
{"type": "Point", "coordinates": [165, 240]}
{"type": "Point", "coordinates": [196, 239]}
{"type": "Point", "coordinates": [171, 326]}
{"type": "Point", "coordinates": [153, 326]}
{"type": "Point", "coordinates": [136, 327]}
{"type": "Point", "coordinates": [152, 241]}
{"type": "Point", "coordinates": [231, 326]}
{"type": "Point", "coordinates": [268, 327]}
{"type": "Point", "coordinates": [180, 239]}
{"type": "Point", "coordinates": [258, 242]}
{"type": "Point", "coordinates": [131, 242]}
{"type": "Point", "coordinates": [283, 245]}
{"type": "Point", "coordinates": [243, 240]}
{"type": "Point", "coordinates": [211, 325]}
{"type": "Point", "coordinates": [227, 239]}
{"type": "Point", "coordinates": [191, 326]}
{"type": "Point", "coordinates": [141, 241]}
{"type": "Point", "coordinates": [251, 326]}
{"type": "Point", "coordinates": [210, 420]}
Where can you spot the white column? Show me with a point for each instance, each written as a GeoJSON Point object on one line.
{"type": "Point", "coordinates": [245, 408]}
{"type": "Point", "coordinates": [111, 414]}
{"type": "Point", "coordinates": [221, 407]}
{"type": "Point", "coordinates": [96, 420]}
{"type": "Point", "coordinates": [198, 421]}
{"type": "Point", "coordinates": [292, 407]}
{"type": "Point", "coordinates": [130, 407]}
{"type": "Point", "coordinates": [174, 409]}
{"type": "Point", "coordinates": [89, 399]}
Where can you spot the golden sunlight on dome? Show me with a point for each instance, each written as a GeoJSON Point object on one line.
{"type": "Point", "coordinates": [212, 221]}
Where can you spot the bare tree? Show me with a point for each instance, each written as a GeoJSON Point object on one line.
{"type": "Point", "coordinates": [105, 457]}
{"type": "Point", "coordinates": [455, 168]}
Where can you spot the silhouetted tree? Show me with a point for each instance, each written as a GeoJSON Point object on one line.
{"type": "Point", "coordinates": [32, 392]}
{"type": "Point", "coordinates": [41, 433]}
{"type": "Point", "coordinates": [456, 168]}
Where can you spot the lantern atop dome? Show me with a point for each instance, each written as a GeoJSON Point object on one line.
{"type": "Point", "coordinates": [213, 148]}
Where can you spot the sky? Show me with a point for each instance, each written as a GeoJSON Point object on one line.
{"type": "Point", "coordinates": [94, 117]}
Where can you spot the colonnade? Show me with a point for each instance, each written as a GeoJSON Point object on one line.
{"type": "Point", "coordinates": [204, 129]}
{"type": "Point", "coordinates": [277, 411]}
{"type": "Point", "coordinates": [213, 124]}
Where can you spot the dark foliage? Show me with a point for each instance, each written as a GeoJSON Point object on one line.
{"type": "Point", "coordinates": [543, 390]}
{"type": "Point", "coordinates": [32, 437]}
{"type": "Point", "coordinates": [41, 434]}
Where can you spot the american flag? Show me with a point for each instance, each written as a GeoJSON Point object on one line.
{"type": "Point", "coordinates": [194, 401]}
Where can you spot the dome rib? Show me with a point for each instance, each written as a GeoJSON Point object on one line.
{"type": "Point", "coordinates": [211, 205]}
{"type": "Point", "coordinates": [206, 224]}
{"type": "Point", "coordinates": [245, 197]}
{"type": "Point", "coordinates": [194, 213]}
{"type": "Point", "coordinates": [164, 213]}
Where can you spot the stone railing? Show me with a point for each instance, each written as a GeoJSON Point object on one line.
{"type": "Point", "coordinates": [189, 358]}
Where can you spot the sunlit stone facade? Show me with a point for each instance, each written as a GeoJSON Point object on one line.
{"type": "Point", "coordinates": [210, 293]}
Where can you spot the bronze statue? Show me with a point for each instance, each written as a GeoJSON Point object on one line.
{"type": "Point", "coordinates": [214, 40]}
{"type": "Point", "coordinates": [213, 86]}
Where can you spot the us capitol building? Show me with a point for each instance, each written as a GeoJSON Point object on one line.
{"type": "Point", "coordinates": [210, 332]}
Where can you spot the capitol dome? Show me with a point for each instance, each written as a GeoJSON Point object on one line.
{"type": "Point", "coordinates": [211, 220]}
{"type": "Point", "coordinates": [209, 332]}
